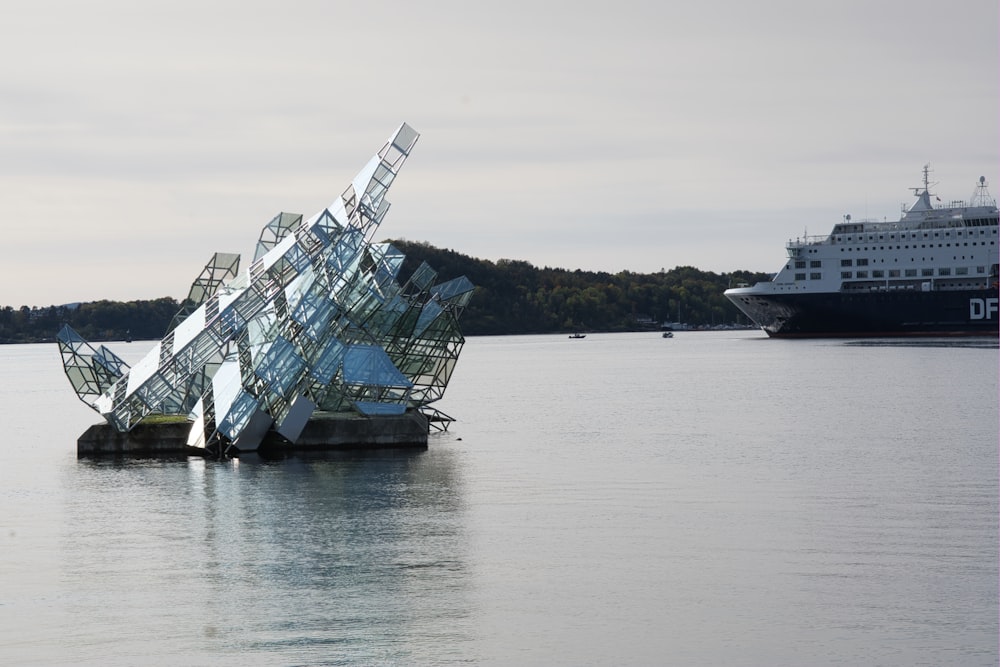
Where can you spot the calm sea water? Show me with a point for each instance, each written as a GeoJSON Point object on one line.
{"type": "Point", "coordinates": [715, 498]}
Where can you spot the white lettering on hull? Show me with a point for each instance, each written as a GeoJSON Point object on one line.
{"type": "Point", "coordinates": [982, 309]}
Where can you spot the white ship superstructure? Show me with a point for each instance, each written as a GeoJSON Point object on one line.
{"type": "Point", "coordinates": [933, 271]}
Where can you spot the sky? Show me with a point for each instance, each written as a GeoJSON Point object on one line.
{"type": "Point", "coordinates": [138, 138]}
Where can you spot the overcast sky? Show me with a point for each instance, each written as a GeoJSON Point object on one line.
{"type": "Point", "coordinates": [140, 137]}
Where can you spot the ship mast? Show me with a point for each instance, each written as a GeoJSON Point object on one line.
{"type": "Point", "coordinates": [917, 192]}
{"type": "Point", "coordinates": [923, 194]}
{"type": "Point", "coordinates": [982, 196]}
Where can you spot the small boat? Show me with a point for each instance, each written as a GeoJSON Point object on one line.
{"type": "Point", "coordinates": [578, 335]}
{"type": "Point", "coordinates": [668, 334]}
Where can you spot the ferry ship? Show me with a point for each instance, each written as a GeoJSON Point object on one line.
{"type": "Point", "coordinates": [931, 273]}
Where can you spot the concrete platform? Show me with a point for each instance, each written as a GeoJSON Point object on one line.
{"type": "Point", "coordinates": [324, 431]}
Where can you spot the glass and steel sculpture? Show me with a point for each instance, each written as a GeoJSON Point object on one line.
{"type": "Point", "coordinates": [318, 321]}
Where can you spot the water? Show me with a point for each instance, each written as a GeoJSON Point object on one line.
{"type": "Point", "coordinates": [715, 498]}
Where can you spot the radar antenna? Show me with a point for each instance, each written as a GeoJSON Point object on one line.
{"type": "Point", "coordinates": [982, 196]}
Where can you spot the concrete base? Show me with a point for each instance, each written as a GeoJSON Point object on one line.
{"type": "Point", "coordinates": [143, 440]}
{"type": "Point", "coordinates": [348, 430]}
{"type": "Point", "coordinates": [324, 431]}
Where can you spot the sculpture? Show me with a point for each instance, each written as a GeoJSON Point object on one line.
{"type": "Point", "coordinates": [317, 322]}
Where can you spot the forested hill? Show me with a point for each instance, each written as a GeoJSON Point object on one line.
{"type": "Point", "coordinates": [512, 297]}
{"type": "Point", "coordinates": [515, 297]}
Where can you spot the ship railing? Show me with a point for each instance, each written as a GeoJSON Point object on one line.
{"type": "Point", "coordinates": [802, 241]}
{"type": "Point", "coordinates": [933, 285]}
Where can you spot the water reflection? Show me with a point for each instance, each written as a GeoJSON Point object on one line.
{"type": "Point", "coordinates": [332, 557]}
{"type": "Point", "coordinates": [620, 502]}
{"type": "Point", "coordinates": [975, 343]}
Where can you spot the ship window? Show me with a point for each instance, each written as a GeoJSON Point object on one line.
{"type": "Point", "coordinates": [927, 272]}
{"type": "Point", "coordinates": [911, 273]}
{"type": "Point", "coordinates": [893, 273]}
{"type": "Point", "coordinates": [944, 272]}
{"type": "Point", "coordinates": [961, 271]}
{"type": "Point", "coordinates": [800, 276]}
{"type": "Point", "coordinates": [862, 274]}
{"type": "Point", "coordinates": [845, 274]}
{"type": "Point", "coordinates": [815, 264]}
{"type": "Point", "coordinates": [863, 261]}
{"type": "Point", "coordinates": [815, 276]}
{"type": "Point", "coordinates": [878, 274]}
{"type": "Point", "coordinates": [800, 264]}
{"type": "Point", "coordinates": [845, 262]}
{"type": "Point", "coordinates": [980, 269]}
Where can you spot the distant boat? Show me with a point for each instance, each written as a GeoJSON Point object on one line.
{"type": "Point", "coordinates": [578, 335]}
{"type": "Point", "coordinates": [668, 334]}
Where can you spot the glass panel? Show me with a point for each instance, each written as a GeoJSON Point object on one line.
{"type": "Point", "coordinates": [423, 277]}
{"type": "Point", "coordinates": [430, 311]}
{"type": "Point", "coordinates": [458, 291]}
{"type": "Point", "coordinates": [328, 363]}
{"type": "Point", "coordinates": [238, 416]}
{"type": "Point", "coordinates": [280, 367]}
{"type": "Point", "coordinates": [370, 365]}
{"type": "Point", "coordinates": [406, 136]}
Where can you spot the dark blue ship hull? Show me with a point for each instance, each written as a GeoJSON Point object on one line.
{"type": "Point", "coordinates": [876, 313]}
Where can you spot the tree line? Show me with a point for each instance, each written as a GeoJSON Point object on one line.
{"type": "Point", "coordinates": [96, 320]}
{"type": "Point", "coordinates": [515, 297]}
{"type": "Point", "coordinates": [512, 297]}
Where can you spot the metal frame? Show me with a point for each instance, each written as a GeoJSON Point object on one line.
{"type": "Point", "coordinates": [317, 321]}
